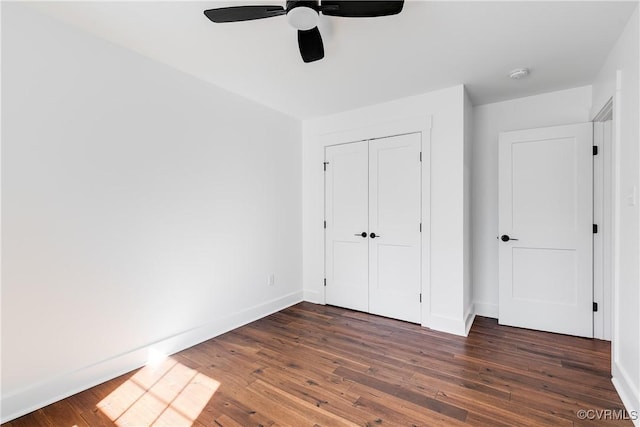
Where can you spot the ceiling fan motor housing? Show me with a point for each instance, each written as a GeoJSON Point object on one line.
{"type": "Point", "coordinates": [302, 15]}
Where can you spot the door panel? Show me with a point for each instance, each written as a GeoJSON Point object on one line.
{"type": "Point", "coordinates": [346, 205]}
{"type": "Point", "coordinates": [545, 202]}
{"type": "Point", "coordinates": [554, 284]}
{"type": "Point", "coordinates": [548, 201]}
{"type": "Point", "coordinates": [394, 216]}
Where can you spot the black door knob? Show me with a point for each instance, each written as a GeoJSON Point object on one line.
{"type": "Point", "coordinates": [363, 234]}
{"type": "Point", "coordinates": [506, 238]}
{"type": "Point", "coordinates": [373, 235]}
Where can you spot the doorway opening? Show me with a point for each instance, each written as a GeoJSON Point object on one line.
{"type": "Point", "coordinates": [603, 216]}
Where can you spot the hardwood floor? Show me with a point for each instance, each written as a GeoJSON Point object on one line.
{"type": "Point", "coordinates": [325, 366]}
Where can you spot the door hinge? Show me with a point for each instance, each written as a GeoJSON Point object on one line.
{"type": "Point", "coordinates": [324, 165]}
{"type": "Point", "coordinates": [595, 150]}
{"type": "Point", "coordinates": [325, 224]}
{"type": "Point", "coordinates": [595, 228]}
{"type": "Point", "coordinates": [421, 156]}
{"type": "Point", "coordinates": [595, 306]}
{"type": "Point", "coordinates": [420, 297]}
{"type": "Point", "coordinates": [325, 281]}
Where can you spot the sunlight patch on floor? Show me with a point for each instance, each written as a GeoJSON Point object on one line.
{"type": "Point", "coordinates": [163, 393]}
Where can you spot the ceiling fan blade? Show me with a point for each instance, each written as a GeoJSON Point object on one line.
{"type": "Point", "coordinates": [361, 9]}
{"type": "Point", "coordinates": [310, 43]}
{"type": "Point", "coordinates": [243, 13]}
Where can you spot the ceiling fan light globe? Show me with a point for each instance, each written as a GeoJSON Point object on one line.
{"type": "Point", "coordinates": [303, 18]}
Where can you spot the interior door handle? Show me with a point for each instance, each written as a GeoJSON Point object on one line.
{"type": "Point", "coordinates": [506, 238]}
{"type": "Point", "coordinates": [374, 235]}
{"type": "Point", "coordinates": [363, 234]}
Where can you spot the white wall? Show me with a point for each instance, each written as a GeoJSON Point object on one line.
{"type": "Point", "coordinates": [445, 302]}
{"type": "Point", "coordinates": [619, 78]}
{"type": "Point", "coordinates": [550, 109]}
{"type": "Point", "coordinates": [141, 208]}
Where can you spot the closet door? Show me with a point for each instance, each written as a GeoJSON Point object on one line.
{"type": "Point", "coordinates": [346, 238]}
{"type": "Point", "coordinates": [394, 227]}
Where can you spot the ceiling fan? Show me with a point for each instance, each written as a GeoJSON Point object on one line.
{"type": "Point", "coordinates": [303, 16]}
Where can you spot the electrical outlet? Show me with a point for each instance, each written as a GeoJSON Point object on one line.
{"type": "Point", "coordinates": [632, 196]}
{"type": "Point", "coordinates": [271, 279]}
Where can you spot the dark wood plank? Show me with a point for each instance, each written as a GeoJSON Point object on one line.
{"type": "Point", "coordinates": [33, 419]}
{"type": "Point", "coordinates": [322, 365]}
{"type": "Point", "coordinates": [63, 413]}
{"type": "Point", "coordinates": [404, 394]}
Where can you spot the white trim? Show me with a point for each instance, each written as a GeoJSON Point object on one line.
{"type": "Point", "coordinates": [603, 188]}
{"type": "Point", "coordinates": [629, 395]}
{"type": "Point", "coordinates": [447, 324]}
{"type": "Point", "coordinates": [378, 130]}
{"type": "Point", "coordinates": [607, 230]}
{"type": "Point", "coordinates": [312, 296]}
{"type": "Point", "coordinates": [469, 319]}
{"type": "Point", "coordinates": [51, 390]}
{"type": "Point", "coordinates": [425, 245]}
{"type": "Point", "coordinates": [598, 238]}
{"type": "Point", "coordinates": [485, 309]}
{"type": "Point", "coordinates": [615, 243]}
{"type": "Point", "coordinates": [605, 113]}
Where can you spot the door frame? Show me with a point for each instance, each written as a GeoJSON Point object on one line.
{"type": "Point", "coordinates": [604, 183]}
{"type": "Point", "coordinates": [604, 215]}
{"type": "Point", "coordinates": [420, 125]}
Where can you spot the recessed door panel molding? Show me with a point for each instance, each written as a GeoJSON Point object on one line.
{"type": "Point", "coordinates": [550, 200]}
{"type": "Point", "coordinates": [545, 226]}
{"type": "Point", "coordinates": [373, 231]}
{"type": "Point", "coordinates": [554, 284]}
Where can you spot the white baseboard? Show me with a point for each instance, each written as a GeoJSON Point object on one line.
{"type": "Point", "coordinates": [315, 297]}
{"type": "Point", "coordinates": [468, 322]}
{"type": "Point", "coordinates": [485, 309]}
{"type": "Point", "coordinates": [448, 325]}
{"type": "Point", "coordinates": [38, 395]}
{"type": "Point", "coordinates": [628, 392]}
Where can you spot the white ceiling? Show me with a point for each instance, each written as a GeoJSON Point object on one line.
{"type": "Point", "coordinates": [430, 45]}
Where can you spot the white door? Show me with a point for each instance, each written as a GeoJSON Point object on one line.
{"type": "Point", "coordinates": [372, 230]}
{"type": "Point", "coordinates": [346, 237]}
{"type": "Point", "coordinates": [545, 226]}
{"type": "Point", "coordinates": [394, 220]}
